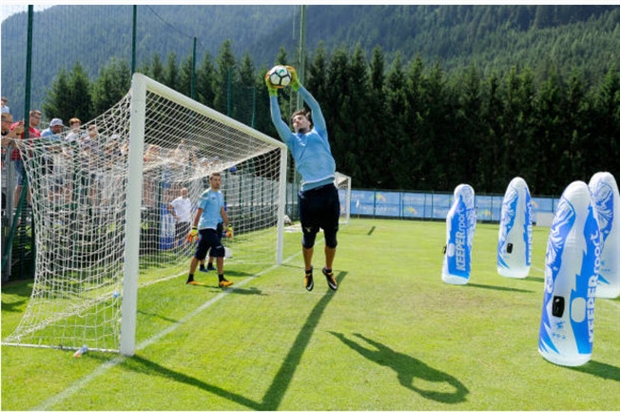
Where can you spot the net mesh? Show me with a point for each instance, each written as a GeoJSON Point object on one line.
{"type": "Point", "coordinates": [79, 195]}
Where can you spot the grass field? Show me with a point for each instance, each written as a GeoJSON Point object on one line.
{"type": "Point", "coordinates": [393, 337]}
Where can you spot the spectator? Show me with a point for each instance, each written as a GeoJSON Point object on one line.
{"type": "Point", "coordinates": [152, 159]}
{"type": "Point", "coordinates": [112, 160]}
{"type": "Point", "coordinates": [52, 162]}
{"type": "Point", "coordinates": [5, 108]}
{"type": "Point", "coordinates": [8, 135]}
{"type": "Point", "coordinates": [74, 135]}
{"type": "Point", "coordinates": [181, 210]}
{"type": "Point", "coordinates": [91, 155]}
{"type": "Point", "coordinates": [33, 132]}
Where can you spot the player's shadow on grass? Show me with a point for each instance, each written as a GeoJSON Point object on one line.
{"type": "Point", "coordinates": [502, 288]}
{"type": "Point", "coordinates": [273, 397]}
{"type": "Point", "coordinates": [409, 370]}
{"type": "Point", "coordinates": [275, 393]}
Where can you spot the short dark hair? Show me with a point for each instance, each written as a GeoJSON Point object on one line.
{"type": "Point", "coordinates": [302, 112]}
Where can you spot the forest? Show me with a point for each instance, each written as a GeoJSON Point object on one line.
{"type": "Point", "coordinates": [475, 109]}
{"type": "Point", "coordinates": [408, 126]}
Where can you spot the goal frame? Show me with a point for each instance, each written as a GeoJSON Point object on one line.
{"type": "Point", "coordinates": [140, 85]}
{"type": "Point", "coordinates": [340, 178]}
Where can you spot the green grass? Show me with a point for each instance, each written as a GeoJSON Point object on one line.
{"type": "Point", "coordinates": [393, 337]}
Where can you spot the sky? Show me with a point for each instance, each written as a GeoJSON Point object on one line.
{"type": "Point", "coordinates": [12, 7]}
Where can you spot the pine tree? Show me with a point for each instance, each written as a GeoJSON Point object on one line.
{"type": "Point", "coordinates": [113, 83]}
{"type": "Point", "coordinates": [57, 102]}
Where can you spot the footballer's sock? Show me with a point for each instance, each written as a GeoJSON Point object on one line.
{"type": "Point", "coordinates": [190, 278]}
{"type": "Point", "coordinates": [220, 277]}
{"type": "Point", "coordinates": [202, 266]}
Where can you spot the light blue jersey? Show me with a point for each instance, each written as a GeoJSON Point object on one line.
{"type": "Point", "coordinates": [211, 203]}
{"type": "Point", "coordinates": [311, 151]}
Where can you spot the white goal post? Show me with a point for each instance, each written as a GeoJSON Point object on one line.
{"type": "Point", "coordinates": [103, 229]}
{"type": "Point", "coordinates": [343, 183]}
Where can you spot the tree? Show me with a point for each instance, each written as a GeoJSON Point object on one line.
{"type": "Point", "coordinates": [492, 167]}
{"type": "Point", "coordinates": [376, 124]}
{"type": "Point", "coordinates": [205, 74]}
{"type": "Point", "coordinates": [225, 77]}
{"type": "Point", "coordinates": [246, 97]}
{"type": "Point", "coordinates": [185, 77]}
{"type": "Point", "coordinates": [80, 94]}
{"type": "Point", "coordinates": [469, 126]}
{"type": "Point", "coordinates": [113, 83]}
{"type": "Point", "coordinates": [415, 119]}
{"type": "Point", "coordinates": [603, 148]}
{"type": "Point", "coordinates": [56, 103]}
{"type": "Point", "coordinates": [398, 144]}
{"type": "Point", "coordinates": [552, 176]}
{"type": "Point", "coordinates": [157, 71]}
{"type": "Point", "coordinates": [172, 74]}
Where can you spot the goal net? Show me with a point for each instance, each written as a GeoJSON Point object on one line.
{"type": "Point", "coordinates": [100, 197]}
{"type": "Point", "coordinates": [343, 182]}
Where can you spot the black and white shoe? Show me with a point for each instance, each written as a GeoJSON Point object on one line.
{"type": "Point", "coordinates": [331, 280]}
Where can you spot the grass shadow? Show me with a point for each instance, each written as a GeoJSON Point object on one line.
{"type": "Point", "coordinates": [155, 315]}
{"type": "Point", "coordinates": [534, 279]}
{"type": "Point", "coordinates": [409, 369]}
{"type": "Point", "coordinates": [273, 397]}
{"type": "Point", "coordinates": [19, 287]}
{"type": "Point", "coordinates": [599, 369]}
{"type": "Point", "coordinates": [275, 393]}
{"type": "Point", "coordinates": [501, 288]}
{"type": "Point", "coordinates": [248, 291]}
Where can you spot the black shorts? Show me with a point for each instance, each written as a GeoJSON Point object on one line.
{"type": "Point", "coordinates": [181, 229]}
{"type": "Point", "coordinates": [319, 209]}
{"type": "Point", "coordinates": [209, 241]}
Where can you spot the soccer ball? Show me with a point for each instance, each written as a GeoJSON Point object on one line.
{"type": "Point", "coordinates": [279, 76]}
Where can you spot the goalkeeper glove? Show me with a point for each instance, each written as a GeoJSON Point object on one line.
{"type": "Point", "coordinates": [193, 235]}
{"type": "Point", "coordinates": [295, 84]}
{"type": "Point", "coordinates": [273, 92]}
{"type": "Point", "coordinates": [229, 231]}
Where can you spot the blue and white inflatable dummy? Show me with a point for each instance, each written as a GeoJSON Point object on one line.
{"type": "Point", "coordinates": [607, 201]}
{"type": "Point", "coordinates": [571, 274]}
{"type": "Point", "coordinates": [460, 228]}
{"type": "Point", "coordinates": [514, 247]}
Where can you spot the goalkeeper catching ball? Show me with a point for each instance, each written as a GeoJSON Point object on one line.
{"type": "Point", "coordinates": [319, 205]}
{"type": "Point", "coordinates": [210, 212]}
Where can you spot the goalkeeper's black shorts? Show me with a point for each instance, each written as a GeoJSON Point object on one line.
{"type": "Point", "coordinates": [320, 209]}
{"type": "Point", "coordinates": [209, 241]}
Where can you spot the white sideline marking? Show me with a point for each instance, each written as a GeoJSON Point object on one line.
{"type": "Point", "coordinates": [78, 385]}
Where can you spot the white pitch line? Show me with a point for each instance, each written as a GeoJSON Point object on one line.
{"type": "Point", "coordinates": [78, 385]}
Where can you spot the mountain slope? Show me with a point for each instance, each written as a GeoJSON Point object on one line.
{"type": "Point", "coordinates": [492, 37]}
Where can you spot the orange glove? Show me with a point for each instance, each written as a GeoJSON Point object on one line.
{"type": "Point", "coordinates": [193, 235]}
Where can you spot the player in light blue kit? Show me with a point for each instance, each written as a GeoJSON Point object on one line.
{"type": "Point", "coordinates": [210, 212]}
{"type": "Point", "coordinates": [319, 205]}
